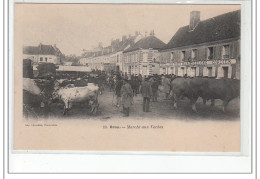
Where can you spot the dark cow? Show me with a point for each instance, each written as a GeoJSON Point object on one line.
{"type": "Point", "coordinates": [181, 87]}
{"type": "Point", "coordinates": [135, 85]}
{"type": "Point", "coordinates": [206, 88]}
{"type": "Point", "coordinates": [224, 89]}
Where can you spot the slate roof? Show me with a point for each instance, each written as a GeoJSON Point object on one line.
{"type": "Point", "coordinates": [146, 43]}
{"type": "Point", "coordinates": [225, 26]}
{"type": "Point", "coordinates": [39, 50]}
{"type": "Point", "coordinates": [128, 42]}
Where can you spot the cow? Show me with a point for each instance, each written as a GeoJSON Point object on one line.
{"type": "Point", "coordinates": [206, 88]}
{"type": "Point", "coordinates": [71, 94]}
{"type": "Point", "coordinates": [32, 96]}
{"type": "Point", "coordinates": [182, 87]}
{"type": "Point", "coordinates": [134, 83]}
{"type": "Point", "coordinates": [223, 89]}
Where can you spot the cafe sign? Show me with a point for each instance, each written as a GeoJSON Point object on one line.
{"type": "Point", "coordinates": [208, 62]}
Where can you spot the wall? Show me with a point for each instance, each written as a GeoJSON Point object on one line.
{"type": "Point", "coordinates": [36, 58]}
{"type": "Point", "coordinates": [141, 62]}
{"type": "Point", "coordinates": [172, 58]}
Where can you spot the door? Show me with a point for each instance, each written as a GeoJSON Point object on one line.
{"type": "Point", "coordinates": [182, 71]}
{"type": "Point", "coordinates": [209, 71]}
{"type": "Point", "coordinates": [225, 72]}
{"type": "Point", "coordinates": [193, 71]}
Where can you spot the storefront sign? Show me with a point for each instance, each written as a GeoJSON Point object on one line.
{"type": "Point", "coordinates": [208, 62]}
{"type": "Point", "coordinates": [227, 61]}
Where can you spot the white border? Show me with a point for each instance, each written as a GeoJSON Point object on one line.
{"type": "Point", "coordinates": [87, 162]}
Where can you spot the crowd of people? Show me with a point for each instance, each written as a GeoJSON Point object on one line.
{"type": "Point", "coordinates": [148, 86]}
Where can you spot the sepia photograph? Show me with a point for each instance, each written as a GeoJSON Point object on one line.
{"type": "Point", "coordinates": [127, 77]}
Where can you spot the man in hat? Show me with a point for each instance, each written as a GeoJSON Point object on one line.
{"type": "Point", "coordinates": [127, 97]}
{"type": "Point", "coordinates": [155, 86]}
{"type": "Point", "coordinates": [119, 84]}
{"type": "Point", "coordinates": [166, 86]}
{"type": "Point", "coordinates": [146, 91]}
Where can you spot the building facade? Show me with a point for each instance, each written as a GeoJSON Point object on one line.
{"type": "Point", "coordinates": [143, 57]}
{"type": "Point", "coordinates": [42, 54]}
{"type": "Point", "coordinates": [209, 48]}
{"type": "Point", "coordinates": [109, 58]}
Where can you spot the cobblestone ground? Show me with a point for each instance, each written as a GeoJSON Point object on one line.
{"type": "Point", "coordinates": [162, 109]}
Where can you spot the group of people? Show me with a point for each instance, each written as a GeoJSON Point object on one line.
{"type": "Point", "coordinates": [148, 88]}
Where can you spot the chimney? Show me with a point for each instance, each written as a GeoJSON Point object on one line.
{"type": "Point", "coordinates": [40, 46]}
{"type": "Point", "coordinates": [124, 38]}
{"type": "Point", "coordinates": [145, 33]}
{"type": "Point", "coordinates": [152, 33]}
{"type": "Point", "coordinates": [194, 19]}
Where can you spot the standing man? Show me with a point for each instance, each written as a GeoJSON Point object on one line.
{"type": "Point", "coordinates": [146, 91]}
{"type": "Point", "coordinates": [119, 84]}
{"type": "Point", "coordinates": [154, 85]}
{"type": "Point", "coordinates": [166, 86]}
{"type": "Point", "coordinates": [127, 97]}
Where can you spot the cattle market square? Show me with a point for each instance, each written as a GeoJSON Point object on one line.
{"type": "Point", "coordinates": [141, 77]}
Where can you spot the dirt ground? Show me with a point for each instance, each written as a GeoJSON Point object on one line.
{"type": "Point", "coordinates": [162, 109]}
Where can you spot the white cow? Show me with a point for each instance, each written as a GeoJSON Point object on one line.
{"type": "Point", "coordinates": [71, 94]}
{"type": "Point", "coordinates": [30, 86]}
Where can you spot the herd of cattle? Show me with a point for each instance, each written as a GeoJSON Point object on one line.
{"type": "Point", "coordinates": [40, 93]}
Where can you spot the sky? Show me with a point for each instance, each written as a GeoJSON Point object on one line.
{"type": "Point", "coordinates": [74, 27]}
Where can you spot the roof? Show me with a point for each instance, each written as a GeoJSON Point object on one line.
{"type": "Point", "coordinates": [147, 43]}
{"type": "Point", "coordinates": [124, 44]}
{"type": "Point", "coordinates": [225, 26]}
{"type": "Point", "coordinates": [115, 47]}
{"type": "Point", "coordinates": [39, 50]}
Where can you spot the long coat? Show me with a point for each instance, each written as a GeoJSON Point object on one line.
{"type": "Point", "coordinates": [118, 87]}
{"type": "Point", "coordinates": [146, 89]}
{"type": "Point", "coordinates": [166, 85]}
{"type": "Point", "coordinates": [127, 95]}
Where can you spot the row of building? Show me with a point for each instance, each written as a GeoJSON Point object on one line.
{"type": "Point", "coordinates": [203, 48]}
{"type": "Point", "coordinates": [209, 48]}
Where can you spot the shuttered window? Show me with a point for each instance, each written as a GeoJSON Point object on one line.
{"type": "Point", "coordinates": [210, 52]}
{"type": "Point", "coordinates": [194, 54]}
{"type": "Point", "coordinates": [225, 51]}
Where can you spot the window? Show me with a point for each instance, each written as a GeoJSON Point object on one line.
{"type": "Point", "coordinates": [172, 55]}
{"type": "Point", "coordinates": [183, 55]}
{"type": "Point", "coordinates": [225, 72]}
{"type": "Point", "coordinates": [41, 59]}
{"type": "Point", "coordinates": [46, 59]}
{"type": "Point", "coordinates": [194, 54]}
{"type": "Point", "coordinates": [225, 52]}
{"type": "Point", "coordinates": [209, 71]}
{"type": "Point", "coordinates": [210, 53]}
{"type": "Point", "coordinates": [145, 57]}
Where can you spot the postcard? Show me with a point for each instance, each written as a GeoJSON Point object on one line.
{"type": "Point", "coordinates": [127, 77]}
